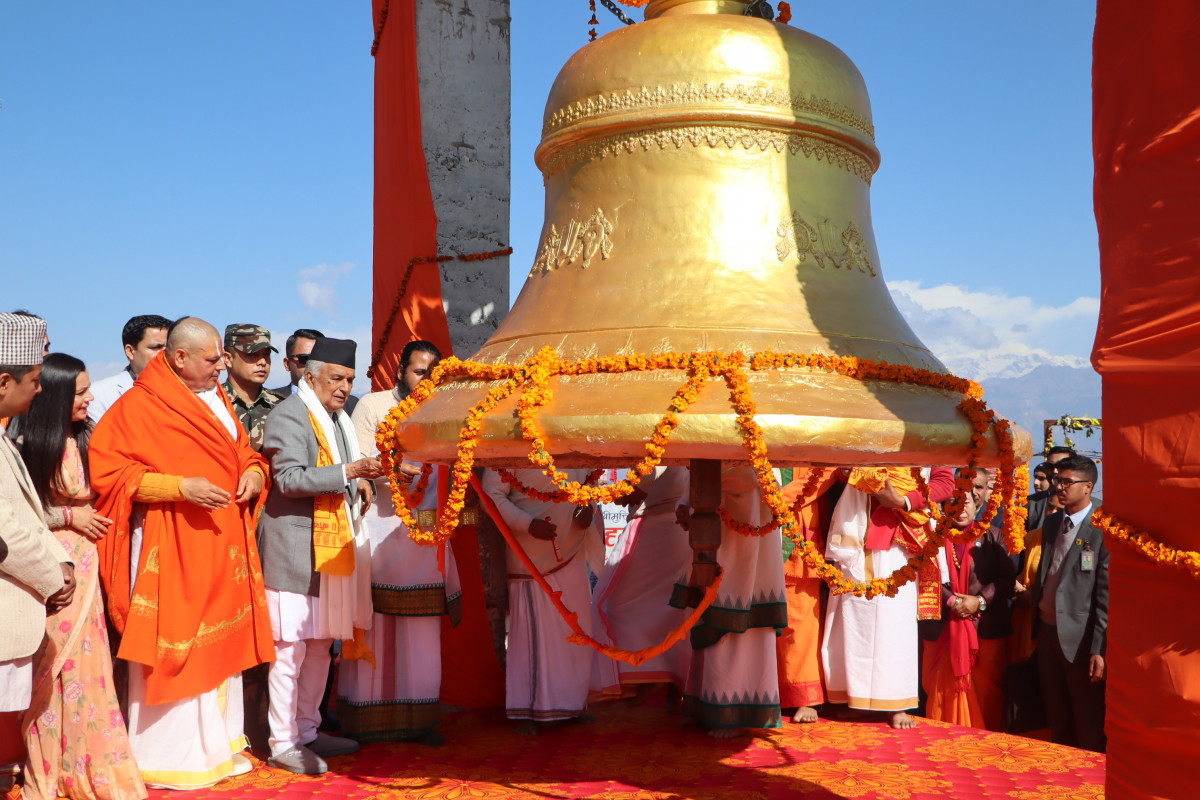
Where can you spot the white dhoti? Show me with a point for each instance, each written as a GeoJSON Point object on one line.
{"type": "Point", "coordinates": [16, 684]}
{"type": "Point", "coordinates": [187, 744]}
{"type": "Point", "coordinates": [870, 647]}
{"type": "Point", "coordinates": [400, 698]}
{"type": "Point", "coordinates": [547, 676]}
{"type": "Point", "coordinates": [632, 604]}
{"type": "Point", "coordinates": [734, 680]}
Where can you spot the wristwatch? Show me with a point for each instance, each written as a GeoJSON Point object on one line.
{"type": "Point", "coordinates": [982, 603]}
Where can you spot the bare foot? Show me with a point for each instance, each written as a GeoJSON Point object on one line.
{"type": "Point", "coordinates": [526, 727]}
{"type": "Point", "coordinates": [805, 714]}
{"type": "Point", "coordinates": [584, 719]}
{"type": "Point", "coordinates": [902, 721]}
{"type": "Point", "coordinates": [727, 733]}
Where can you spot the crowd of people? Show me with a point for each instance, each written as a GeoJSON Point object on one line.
{"type": "Point", "coordinates": [173, 547]}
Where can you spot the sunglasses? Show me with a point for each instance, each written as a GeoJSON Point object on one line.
{"type": "Point", "coordinates": [301, 359]}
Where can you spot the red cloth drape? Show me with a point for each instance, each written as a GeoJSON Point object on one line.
{"type": "Point", "coordinates": [1146, 135]}
{"type": "Point", "coordinates": [406, 228]}
{"type": "Point", "coordinates": [405, 220]}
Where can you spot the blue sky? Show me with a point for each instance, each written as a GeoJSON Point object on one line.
{"type": "Point", "coordinates": [215, 159]}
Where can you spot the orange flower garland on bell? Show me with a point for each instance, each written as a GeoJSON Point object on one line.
{"type": "Point", "coordinates": [546, 497]}
{"type": "Point", "coordinates": [534, 376]}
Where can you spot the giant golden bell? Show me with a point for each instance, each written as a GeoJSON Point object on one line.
{"type": "Point", "coordinates": [707, 178]}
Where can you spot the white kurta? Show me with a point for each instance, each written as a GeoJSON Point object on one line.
{"type": "Point", "coordinates": [547, 676]}
{"type": "Point", "coordinates": [869, 651]}
{"type": "Point", "coordinates": [631, 606]}
{"type": "Point", "coordinates": [734, 680]}
{"type": "Point", "coordinates": [399, 698]}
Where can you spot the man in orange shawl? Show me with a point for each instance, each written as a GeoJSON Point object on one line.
{"type": "Point", "coordinates": [966, 649]}
{"type": "Point", "coordinates": [178, 477]}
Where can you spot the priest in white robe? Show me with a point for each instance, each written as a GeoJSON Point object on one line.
{"type": "Point", "coordinates": [412, 587]}
{"type": "Point", "coordinates": [547, 676]}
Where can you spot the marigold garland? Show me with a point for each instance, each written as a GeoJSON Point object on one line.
{"type": "Point", "coordinates": [534, 375]}
{"type": "Point", "coordinates": [785, 13]}
{"type": "Point", "coordinates": [402, 290]}
{"type": "Point", "coordinates": [414, 498]}
{"type": "Point", "coordinates": [1145, 544]}
{"type": "Point", "coordinates": [383, 13]}
{"type": "Point", "coordinates": [546, 497]}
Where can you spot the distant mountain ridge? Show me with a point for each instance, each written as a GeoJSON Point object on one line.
{"type": "Point", "coordinates": [1046, 392]}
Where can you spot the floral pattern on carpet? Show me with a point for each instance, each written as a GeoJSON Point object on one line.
{"type": "Point", "coordinates": [643, 753]}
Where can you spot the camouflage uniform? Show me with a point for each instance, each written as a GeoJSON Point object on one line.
{"type": "Point", "coordinates": [250, 339]}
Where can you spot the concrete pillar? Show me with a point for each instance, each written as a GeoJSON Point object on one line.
{"type": "Point", "coordinates": [464, 63]}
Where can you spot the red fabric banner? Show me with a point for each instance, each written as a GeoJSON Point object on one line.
{"type": "Point", "coordinates": [405, 219]}
{"type": "Point", "coordinates": [1146, 137]}
{"type": "Point", "coordinates": [406, 229]}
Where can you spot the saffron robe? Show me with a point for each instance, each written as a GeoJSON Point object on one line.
{"type": "Point", "coordinates": [198, 612]}
{"type": "Point", "coordinates": [798, 648]}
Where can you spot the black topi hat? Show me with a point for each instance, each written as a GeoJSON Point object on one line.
{"type": "Point", "coordinates": [334, 351]}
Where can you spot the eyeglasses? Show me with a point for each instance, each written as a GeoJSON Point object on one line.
{"type": "Point", "coordinates": [301, 359]}
{"type": "Point", "coordinates": [1065, 483]}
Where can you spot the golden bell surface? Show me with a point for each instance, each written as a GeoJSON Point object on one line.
{"type": "Point", "coordinates": [707, 188]}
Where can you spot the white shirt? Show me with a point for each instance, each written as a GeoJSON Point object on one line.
{"type": "Point", "coordinates": [212, 399]}
{"type": "Point", "coordinates": [106, 392]}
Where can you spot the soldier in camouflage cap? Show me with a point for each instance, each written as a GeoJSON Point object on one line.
{"type": "Point", "coordinates": [248, 357]}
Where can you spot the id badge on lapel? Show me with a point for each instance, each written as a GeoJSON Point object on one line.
{"type": "Point", "coordinates": [1087, 559]}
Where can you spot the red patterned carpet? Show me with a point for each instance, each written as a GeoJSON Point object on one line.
{"type": "Point", "coordinates": [643, 754]}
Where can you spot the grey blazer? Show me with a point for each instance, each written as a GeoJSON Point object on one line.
{"type": "Point", "coordinates": [1082, 597]}
{"type": "Point", "coordinates": [285, 528]}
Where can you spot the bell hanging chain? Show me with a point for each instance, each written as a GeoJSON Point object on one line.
{"type": "Point", "coordinates": [621, 15]}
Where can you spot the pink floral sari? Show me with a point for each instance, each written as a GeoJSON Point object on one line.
{"type": "Point", "coordinates": [75, 733]}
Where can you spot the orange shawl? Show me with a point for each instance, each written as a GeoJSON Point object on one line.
{"type": "Point", "coordinates": [199, 614]}
{"type": "Point", "coordinates": [911, 531]}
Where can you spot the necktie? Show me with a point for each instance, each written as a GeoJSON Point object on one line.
{"type": "Point", "coordinates": [1063, 545]}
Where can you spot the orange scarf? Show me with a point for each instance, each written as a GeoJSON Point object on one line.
{"type": "Point", "coordinates": [333, 539]}
{"type": "Point", "coordinates": [912, 531]}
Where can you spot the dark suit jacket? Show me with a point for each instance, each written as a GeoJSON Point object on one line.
{"type": "Point", "coordinates": [1038, 503]}
{"type": "Point", "coordinates": [1082, 597]}
{"type": "Point", "coordinates": [992, 577]}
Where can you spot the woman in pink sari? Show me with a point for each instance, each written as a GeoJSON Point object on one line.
{"type": "Point", "coordinates": [74, 731]}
